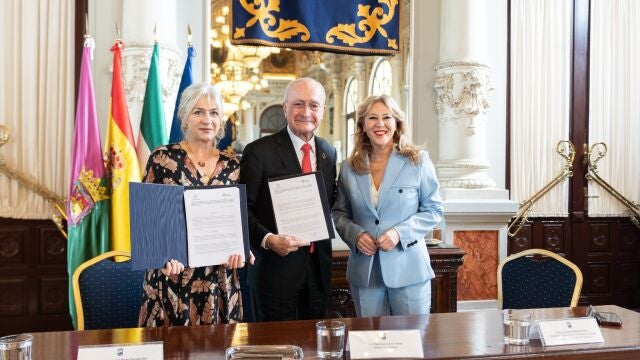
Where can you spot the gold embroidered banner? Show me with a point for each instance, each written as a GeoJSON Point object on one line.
{"type": "Point", "coordinates": [360, 27]}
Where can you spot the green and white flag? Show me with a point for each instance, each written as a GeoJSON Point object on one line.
{"type": "Point", "coordinates": [153, 131]}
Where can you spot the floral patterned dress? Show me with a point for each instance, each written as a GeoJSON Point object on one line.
{"type": "Point", "coordinates": [201, 295]}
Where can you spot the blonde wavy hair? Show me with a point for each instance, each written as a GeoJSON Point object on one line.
{"type": "Point", "coordinates": [362, 147]}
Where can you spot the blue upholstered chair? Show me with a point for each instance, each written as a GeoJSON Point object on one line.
{"type": "Point", "coordinates": [538, 278]}
{"type": "Point", "coordinates": [107, 293]}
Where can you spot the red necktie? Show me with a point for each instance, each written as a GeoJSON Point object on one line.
{"type": "Point", "coordinates": [306, 168]}
{"type": "Point", "coordinates": [306, 158]}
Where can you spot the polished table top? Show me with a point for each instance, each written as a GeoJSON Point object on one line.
{"type": "Point", "coordinates": [476, 334]}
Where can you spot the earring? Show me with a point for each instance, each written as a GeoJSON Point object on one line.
{"type": "Point", "coordinates": [185, 126]}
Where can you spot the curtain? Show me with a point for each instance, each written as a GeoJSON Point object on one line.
{"type": "Point", "coordinates": [540, 100]}
{"type": "Point", "coordinates": [614, 94]}
{"type": "Point", "coordinates": [37, 101]}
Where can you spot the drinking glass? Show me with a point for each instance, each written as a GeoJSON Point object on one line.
{"type": "Point", "coordinates": [330, 336]}
{"type": "Point", "coordinates": [516, 326]}
{"type": "Point", "coordinates": [16, 347]}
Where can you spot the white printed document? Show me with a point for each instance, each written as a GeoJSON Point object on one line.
{"type": "Point", "coordinates": [569, 331]}
{"type": "Point", "coordinates": [300, 207]}
{"type": "Point", "coordinates": [385, 344]}
{"type": "Point", "coordinates": [214, 225]}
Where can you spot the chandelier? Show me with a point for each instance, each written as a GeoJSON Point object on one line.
{"type": "Point", "coordinates": [235, 69]}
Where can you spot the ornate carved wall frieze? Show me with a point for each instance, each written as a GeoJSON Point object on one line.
{"type": "Point", "coordinates": [136, 59]}
{"type": "Point", "coordinates": [464, 91]}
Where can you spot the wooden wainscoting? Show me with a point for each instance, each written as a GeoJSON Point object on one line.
{"type": "Point", "coordinates": [445, 260]}
{"type": "Point", "coordinates": [33, 277]}
{"type": "Point", "coordinates": [34, 281]}
{"type": "Point", "coordinates": [607, 251]}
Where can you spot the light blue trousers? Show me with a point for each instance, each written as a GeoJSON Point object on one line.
{"type": "Point", "coordinates": [379, 300]}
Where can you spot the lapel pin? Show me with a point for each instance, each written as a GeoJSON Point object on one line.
{"type": "Point", "coordinates": [324, 156]}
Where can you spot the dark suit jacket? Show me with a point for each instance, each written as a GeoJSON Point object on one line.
{"type": "Point", "coordinates": [269, 157]}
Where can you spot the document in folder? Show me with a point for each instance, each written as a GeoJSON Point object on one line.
{"type": "Point", "coordinates": [300, 206]}
{"type": "Point", "coordinates": [198, 226]}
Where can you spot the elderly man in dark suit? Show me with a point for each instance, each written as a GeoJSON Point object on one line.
{"type": "Point", "coordinates": [291, 277]}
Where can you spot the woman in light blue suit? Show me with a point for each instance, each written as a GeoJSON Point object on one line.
{"type": "Point", "coordinates": [387, 201]}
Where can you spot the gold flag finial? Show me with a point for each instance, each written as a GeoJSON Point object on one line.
{"type": "Point", "coordinates": [189, 35]}
{"type": "Point", "coordinates": [117, 32]}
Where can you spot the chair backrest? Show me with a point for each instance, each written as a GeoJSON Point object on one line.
{"type": "Point", "coordinates": [108, 294]}
{"type": "Point", "coordinates": [538, 278]}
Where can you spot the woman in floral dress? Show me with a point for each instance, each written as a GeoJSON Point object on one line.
{"type": "Point", "coordinates": [176, 295]}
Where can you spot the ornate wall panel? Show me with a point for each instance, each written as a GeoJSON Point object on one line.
{"type": "Point", "coordinates": [53, 295]}
{"type": "Point", "coordinates": [599, 238]}
{"type": "Point", "coordinates": [598, 279]}
{"type": "Point", "coordinates": [12, 247]}
{"type": "Point", "coordinates": [629, 239]}
{"type": "Point", "coordinates": [607, 251]}
{"type": "Point", "coordinates": [33, 277]}
{"type": "Point", "coordinates": [53, 248]}
{"type": "Point", "coordinates": [12, 302]}
{"type": "Point", "coordinates": [522, 240]}
{"type": "Point", "coordinates": [553, 237]}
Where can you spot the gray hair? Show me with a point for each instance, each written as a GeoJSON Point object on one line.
{"type": "Point", "coordinates": [190, 97]}
{"type": "Point", "coordinates": [192, 94]}
{"type": "Point", "coordinates": [304, 79]}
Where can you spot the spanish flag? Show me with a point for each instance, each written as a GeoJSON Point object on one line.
{"type": "Point", "coordinates": [120, 156]}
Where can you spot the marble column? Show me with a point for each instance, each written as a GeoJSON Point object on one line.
{"type": "Point", "coordinates": [338, 118]}
{"type": "Point", "coordinates": [463, 86]}
{"type": "Point", "coordinates": [139, 19]}
{"type": "Point", "coordinates": [397, 78]}
{"type": "Point", "coordinates": [476, 212]}
{"type": "Point", "coordinates": [359, 68]}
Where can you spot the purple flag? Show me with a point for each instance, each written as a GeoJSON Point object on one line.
{"type": "Point", "coordinates": [88, 206]}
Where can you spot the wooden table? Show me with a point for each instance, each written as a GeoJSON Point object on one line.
{"type": "Point", "coordinates": [444, 336]}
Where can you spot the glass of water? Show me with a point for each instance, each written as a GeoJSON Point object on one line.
{"type": "Point", "coordinates": [16, 347]}
{"type": "Point", "coordinates": [516, 326]}
{"type": "Point", "coordinates": [330, 336]}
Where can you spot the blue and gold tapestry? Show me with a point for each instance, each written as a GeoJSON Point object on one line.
{"type": "Point", "coordinates": [360, 27]}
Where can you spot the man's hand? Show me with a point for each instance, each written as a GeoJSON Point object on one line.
{"type": "Point", "coordinates": [388, 240]}
{"type": "Point", "coordinates": [366, 244]}
{"type": "Point", "coordinates": [284, 244]}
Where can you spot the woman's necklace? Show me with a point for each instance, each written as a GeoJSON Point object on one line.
{"type": "Point", "coordinates": [201, 163]}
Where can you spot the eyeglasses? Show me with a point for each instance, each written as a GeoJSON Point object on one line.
{"type": "Point", "coordinates": [301, 105]}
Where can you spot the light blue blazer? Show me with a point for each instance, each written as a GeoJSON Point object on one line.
{"type": "Point", "coordinates": [408, 201]}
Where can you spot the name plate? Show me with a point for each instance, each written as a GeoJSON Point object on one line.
{"type": "Point", "coordinates": [143, 351]}
{"type": "Point", "coordinates": [388, 344]}
{"type": "Point", "coordinates": [569, 331]}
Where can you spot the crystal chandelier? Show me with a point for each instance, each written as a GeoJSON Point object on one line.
{"type": "Point", "coordinates": [235, 69]}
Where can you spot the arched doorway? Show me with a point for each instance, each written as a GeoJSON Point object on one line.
{"type": "Point", "coordinates": [272, 120]}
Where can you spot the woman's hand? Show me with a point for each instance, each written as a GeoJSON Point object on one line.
{"type": "Point", "coordinates": [388, 240]}
{"type": "Point", "coordinates": [366, 244]}
{"type": "Point", "coordinates": [235, 261]}
{"type": "Point", "coordinates": [173, 267]}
